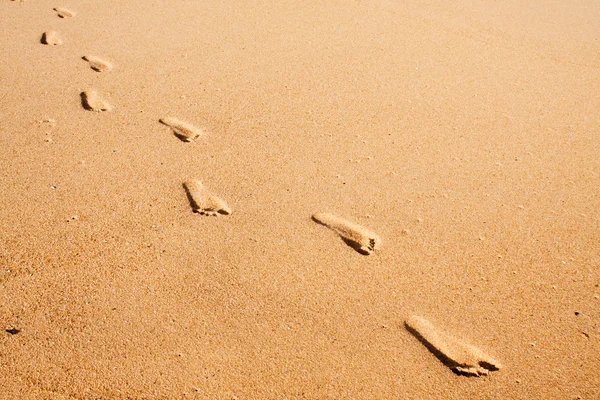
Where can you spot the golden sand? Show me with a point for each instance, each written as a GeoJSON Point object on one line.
{"type": "Point", "coordinates": [466, 134]}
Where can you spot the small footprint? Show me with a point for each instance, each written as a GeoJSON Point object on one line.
{"type": "Point", "coordinates": [184, 131]}
{"type": "Point", "coordinates": [64, 13]}
{"type": "Point", "coordinates": [98, 64]}
{"type": "Point", "coordinates": [51, 38]}
{"type": "Point", "coordinates": [359, 238]}
{"type": "Point", "coordinates": [460, 357]}
{"type": "Point", "coordinates": [91, 101]}
{"type": "Point", "coordinates": [204, 202]}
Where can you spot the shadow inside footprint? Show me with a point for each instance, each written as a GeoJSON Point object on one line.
{"type": "Point", "coordinates": [190, 198]}
{"type": "Point", "coordinates": [356, 246]}
{"type": "Point", "coordinates": [84, 102]}
{"type": "Point", "coordinates": [435, 351]}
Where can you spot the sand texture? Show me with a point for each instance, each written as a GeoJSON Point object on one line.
{"type": "Point", "coordinates": [448, 152]}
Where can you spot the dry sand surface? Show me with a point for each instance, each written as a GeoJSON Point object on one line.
{"type": "Point", "coordinates": [463, 136]}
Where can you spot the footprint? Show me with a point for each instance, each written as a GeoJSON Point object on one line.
{"type": "Point", "coordinates": [98, 64]}
{"type": "Point", "coordinates": [460, 357]}
{"type": "Point", "coordinates": [183, 130]}
{"type": "Point", "coordinates": [204, 202]}
{"type": "Point", "coordinates": [64, 13]}
{"type": "Point", "coordinates": [359, 238]}
{"type": "Point", "coordinates": [93, 102]}
{"type": "Point", "coordinates": [51, 38]}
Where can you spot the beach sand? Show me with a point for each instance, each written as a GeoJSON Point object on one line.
{"type": "Point", "coordinates": [465, 136]}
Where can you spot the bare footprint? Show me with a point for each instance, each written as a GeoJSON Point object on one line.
{"type": "Point", "coordinates": [92, 101]}
{"type": "Point", "coordinates": [183, 130]}
{"type": "Point", "coordinates": [64, 13]}
{"type": "Point", "coordinates": [98, 64]}
{"type": "Point", "coordinates": [359, 238]}
{"type": "Point", "coordinates": [51, 38]}
{"type": "Point", "coordinates": [204, 202]}
{"type": "Point", "coordinates": [460, 357]}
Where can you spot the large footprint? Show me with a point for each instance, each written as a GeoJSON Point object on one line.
{"type": "Point", "coordinates": [204, 202]}
{"type": "Point", "coordinates": [358, 237]}
{"type": "Point", "coordinates": [462, 358]}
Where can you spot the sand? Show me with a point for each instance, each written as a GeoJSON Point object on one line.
{"type": "Point", "coordinates": [466, 135]}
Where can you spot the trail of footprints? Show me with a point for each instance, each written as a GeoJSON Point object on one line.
{"type": "Point", "coordinates": [91, 100]}
{"type": "Point", "coordinates": [459, 356]}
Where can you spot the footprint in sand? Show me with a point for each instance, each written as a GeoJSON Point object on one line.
{"type": "Point", "coordinates": [204, 202]}
{"type": "Point", "coordinates": [183, 130]}
{"type": "Point", "coordinates": [359, 238]}
{"type": "Point", "coordinates": [460, 357]}
{"type": "Point", "coordinates": [98, 64]}
{"type": "Point", "coordinates": [64, 13]}
{"type": "Point", "coordinates": [92, 101]}
{"type": "Point", "coordinates": [51, 38]}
